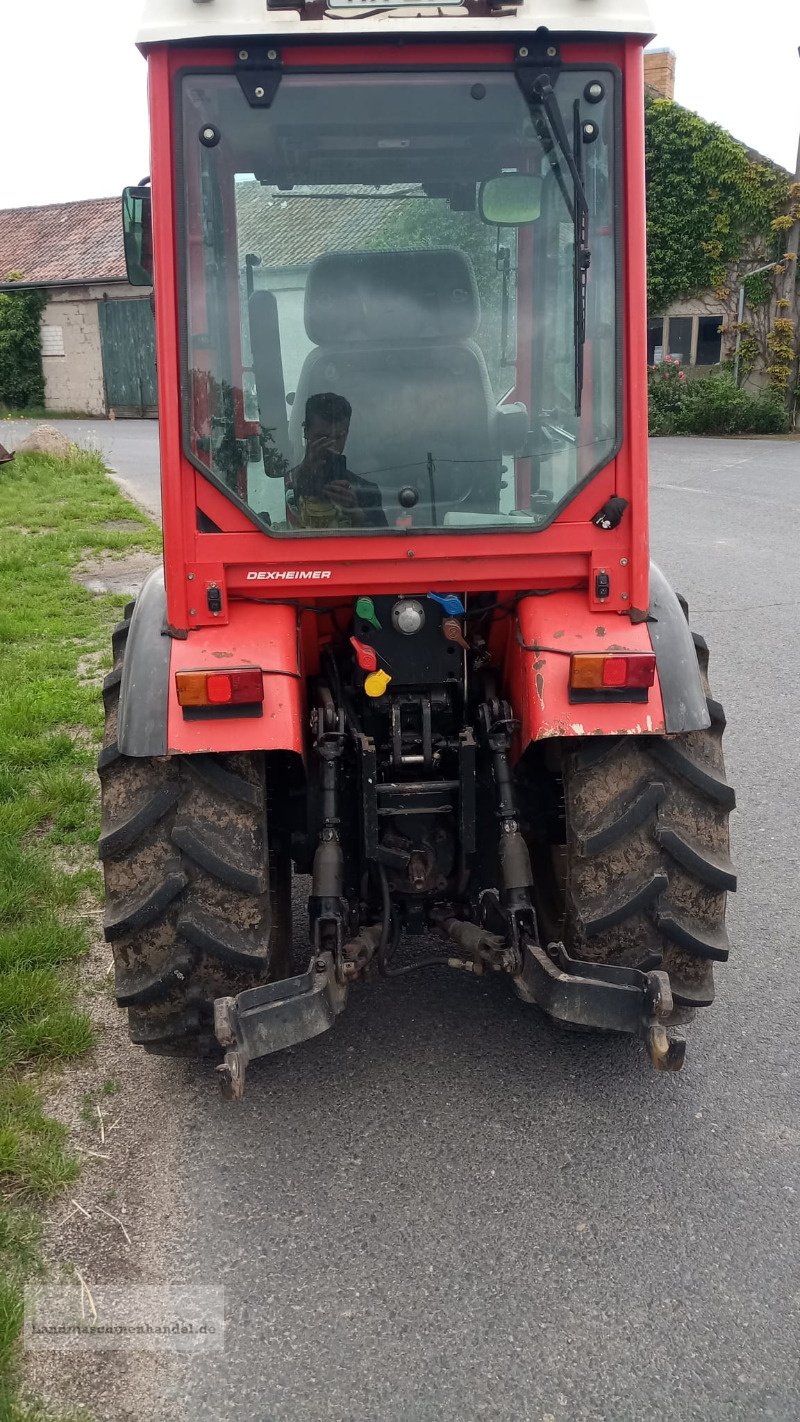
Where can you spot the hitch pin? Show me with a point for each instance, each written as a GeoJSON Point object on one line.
{"type": "Point", "coordinates": [667, 1053]}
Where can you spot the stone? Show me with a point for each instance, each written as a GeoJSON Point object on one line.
{"type": "Point", "coordinates": [45, 439]}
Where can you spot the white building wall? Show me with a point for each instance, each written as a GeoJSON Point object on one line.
{"type": "Point", "coordinates": [73, 379]}
{"type": "Point", "coordinates": [709, 303]}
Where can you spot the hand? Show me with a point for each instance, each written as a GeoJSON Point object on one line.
{"type": "Point", "coordinates": [323, 444]}
{"type": "Point", "coordinates": [341, 492]}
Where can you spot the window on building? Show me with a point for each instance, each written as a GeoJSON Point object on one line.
{"type": "Point", "coordinates": [53, 340]}
{"type": "Point", "coordinates": [655, 341]}
{"type": "Point", "coordinates": [680, 338]}
{"type": "Point", "coordinates": [709, 340]}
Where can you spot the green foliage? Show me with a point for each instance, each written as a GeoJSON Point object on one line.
{"type": "Point", "coordinates": [666, 387]}
{"type": "Point", "coordinates": [706, 199]}
{"type": "Point", "coordinates": [21, 378]}
{"type": "Point", "coordinates": [759, 288]}
{"type": "Point", "coordinates": [749, 349]}
{"type": "Point", "coordinates": [781, 344]}
{"type": "Point", "coordinates": [710, 405]}
{"type": "Point", "coordinates": [427, 223]}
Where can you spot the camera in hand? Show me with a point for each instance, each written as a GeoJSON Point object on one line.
{"type": "Point", "coordinates": [333, 467]}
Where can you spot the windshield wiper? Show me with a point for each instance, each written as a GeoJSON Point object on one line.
{"type": "Point", "coordinates": [542, 93]}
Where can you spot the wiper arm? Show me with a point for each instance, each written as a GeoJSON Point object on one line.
{"type": "Point", "coordinates": [543, 94]}
{"type": "Point", "coordinates": [583, 259]}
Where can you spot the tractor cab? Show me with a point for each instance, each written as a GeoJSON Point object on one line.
{"type": "Point", "coordinates": [435, 246]}
{"type": "Point", "coordinates": [408, 638]}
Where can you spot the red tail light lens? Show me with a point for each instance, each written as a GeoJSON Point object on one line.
{"type": "Point", "coordinates": [614, 671]}
{"type": "Point", "coordinates": [219, 689]}
{"type": "Point", "coordinates": [640, 669]}
{"type": "Point", "coordinates": [237, 687]}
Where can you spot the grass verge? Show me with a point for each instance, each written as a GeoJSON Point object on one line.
{"type": "Point", "coordinates": [41, 416]}
{"type": "Point", "coordinates": [54, 639]}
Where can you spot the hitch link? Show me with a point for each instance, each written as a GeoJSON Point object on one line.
{"type": "Point", "coordinates": [277, 1015]}
{"type": "Point", "coordinates": [605, 997]}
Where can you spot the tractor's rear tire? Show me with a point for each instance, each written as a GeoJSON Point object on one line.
{"type": "Point", "coordinates": [198, 901]}
{"type": "Point", "coordinates": [644, 867]}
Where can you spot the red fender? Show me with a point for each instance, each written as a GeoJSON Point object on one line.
{"type": "Point", "coordinates": [537, 682]}
{"type": "Point", "coordinates": [264, 637]}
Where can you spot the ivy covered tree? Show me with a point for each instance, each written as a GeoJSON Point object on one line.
{"type": "Point", "coordinates": [707, 201]}
{"type": "Point", "coordinates": [714, 213]}
{"type": "Point", "coordinates": [21, 378]}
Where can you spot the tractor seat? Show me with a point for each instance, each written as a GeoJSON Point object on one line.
{"type": "Point", "coordinates": [393, 333]}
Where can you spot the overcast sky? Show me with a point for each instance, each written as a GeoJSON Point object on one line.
{"type": "Point", "coordinates": [73, 102]}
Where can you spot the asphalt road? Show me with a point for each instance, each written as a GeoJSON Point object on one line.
{"type": "Point", "coordinates": [445, 1209]}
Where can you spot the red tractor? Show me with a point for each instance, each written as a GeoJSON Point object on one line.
{"type": "Point", "coordinates": [408, 640]}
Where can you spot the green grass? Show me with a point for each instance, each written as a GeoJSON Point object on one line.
{"type": "Point", "coordinates": [52, 513]}
{"type": "Point", "coordinates": [38, 412]}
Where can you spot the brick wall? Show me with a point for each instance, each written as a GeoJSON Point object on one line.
{"type": "Point", "coordinates": [659, 73]}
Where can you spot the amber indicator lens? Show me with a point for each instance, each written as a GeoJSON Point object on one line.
{"type": "Point", "coordinates": [614, 671]}
{"type": "Point", "coordinates": [236, 687]}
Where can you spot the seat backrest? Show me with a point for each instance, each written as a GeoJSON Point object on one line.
{"type": "Point", "coordinates": [393, 333]}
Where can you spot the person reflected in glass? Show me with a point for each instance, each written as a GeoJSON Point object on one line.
{"type": "Point", "coordinates": [323, 492]}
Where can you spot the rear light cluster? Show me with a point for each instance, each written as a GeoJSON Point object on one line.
{"type": "Point", "coordinates": [235, 687]}
{"type": "Point", "coordinates": [612, 671]}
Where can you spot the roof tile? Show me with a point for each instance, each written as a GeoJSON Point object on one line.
{"type": "Point", "coordinates": [292, 229]}
{"type": "Point", "coordinates": [82, 241]}
{"type": "Point", "coordinates": [70, 241]}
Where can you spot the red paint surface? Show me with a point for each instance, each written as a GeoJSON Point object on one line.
{"type": "Point", "coordinates": [635, 308]}
{"type": "Point", "coordinates": [537, 683]}
{"type": "Point", "coordinates": [257, 637]}
{"type": "Point", "coordinates": [565, 555]}
{"type": "Point", "coordinates": [177, 503]}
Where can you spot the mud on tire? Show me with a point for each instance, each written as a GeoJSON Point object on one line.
{"type": "Point", "coordinates": [645, 867]}
{"type": "Point", "coordinates": [197, 903]}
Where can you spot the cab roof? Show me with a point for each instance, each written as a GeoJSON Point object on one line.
{"type": "Point", "coordinates": [182, 20]}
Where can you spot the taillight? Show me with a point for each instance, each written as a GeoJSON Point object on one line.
{"type": "Point", "coordinates": [235, 687]}
{"type": "Point", "coordinates": [614, 671]}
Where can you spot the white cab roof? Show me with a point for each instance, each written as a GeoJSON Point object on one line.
{"type": "Point", "coordinates": [166, 20]}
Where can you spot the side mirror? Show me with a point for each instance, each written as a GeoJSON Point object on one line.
{"type": "Point", "coordinates": [137, 231]}
{"type": "Point", "coordinates": [511, 200]}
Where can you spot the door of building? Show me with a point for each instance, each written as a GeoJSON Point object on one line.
{"type": "Point", "coordinates": [128, 343]}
